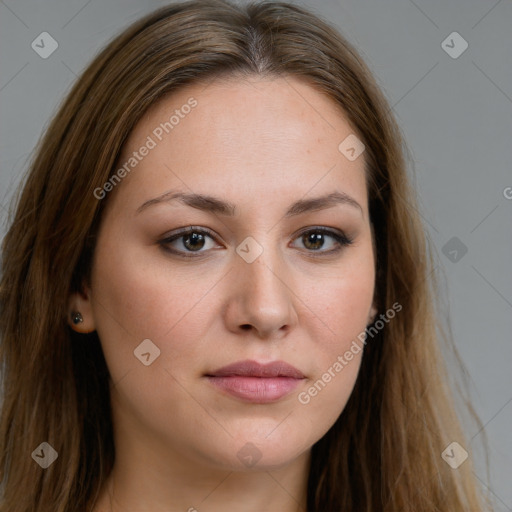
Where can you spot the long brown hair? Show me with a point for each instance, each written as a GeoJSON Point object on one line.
{"type": "Point", "coordinates": [384, 451]}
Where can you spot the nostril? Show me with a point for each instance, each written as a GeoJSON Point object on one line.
{"type": "Point", "coordinates": [246, 327]}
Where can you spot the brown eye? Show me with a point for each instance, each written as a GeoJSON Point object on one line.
{"type": "Point", "coordinates": [194, 241]}
{"type": "Point", "coordinates": [323, 240]}
{"type": "Point", "coordinates": [313, 241]}
{"type": "Point", "coordinates": [189, 241]}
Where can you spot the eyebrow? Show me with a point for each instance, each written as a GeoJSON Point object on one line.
{"type": "Point", "coordinates": [212, 204]}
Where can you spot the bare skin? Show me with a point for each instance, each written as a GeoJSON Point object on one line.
{"type": "Point", "coordinates": [262, 145]}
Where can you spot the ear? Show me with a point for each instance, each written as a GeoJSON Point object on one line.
{"type": "Point", "coordinates": [372, 314]}
{"type": "Point", "coordinates": [80, 308]}
{"type": "Point", "coordinates": [373, 310]}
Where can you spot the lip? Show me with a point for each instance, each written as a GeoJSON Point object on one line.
{"type": "Point", "coordinates": [253, 382]}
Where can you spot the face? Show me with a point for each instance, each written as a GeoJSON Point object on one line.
{"type": "Point", "coordinates": [225, 319]}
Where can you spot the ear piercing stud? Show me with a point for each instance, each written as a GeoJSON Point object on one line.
{"type": "Point", "coordinates": [76, 317]}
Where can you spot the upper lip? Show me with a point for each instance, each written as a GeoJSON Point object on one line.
{"type": "Point", "coordinates": [254, 369]}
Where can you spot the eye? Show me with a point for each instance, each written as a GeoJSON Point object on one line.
{"type": "Point", "coordinates": [193, 241]}
{"type": "Point", "coordinates": [190, 240]}
{"type": "Point", "coordinates": [323, 240]}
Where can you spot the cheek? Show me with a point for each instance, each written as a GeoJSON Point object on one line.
{"type": "Point", "coordinates": [342, 307]}
{"type": "Point", "coordinates": [143, 291]}
{"type": "Point", "coordinates": [326, 395]}
{"type": "Point", "coordinates": [338, 351]}
{"type": "Point", "coordinates": [136, 298]}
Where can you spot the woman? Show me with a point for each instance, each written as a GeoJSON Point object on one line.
{"type": "Point", "coordinates": [216, 294]}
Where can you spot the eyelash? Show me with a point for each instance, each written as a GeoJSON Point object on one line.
{"type": "Point", "coordinates": [341, 239]}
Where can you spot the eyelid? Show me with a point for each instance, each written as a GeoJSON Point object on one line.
{"type": "Point", "coordinates": [190, 229]}
{"type": "Point", "coordinates": [335, 232]}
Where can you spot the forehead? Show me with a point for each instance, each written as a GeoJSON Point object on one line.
{"type": "Point", "coordinates": [265, 135]}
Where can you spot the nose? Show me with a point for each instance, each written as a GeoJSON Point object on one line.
{"type": "Point", "coordinates": [261, 298]}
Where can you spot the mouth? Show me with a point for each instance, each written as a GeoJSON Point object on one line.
{"type": "Point", "coordinates": [256, 383]}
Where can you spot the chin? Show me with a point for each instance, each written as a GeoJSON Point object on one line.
{"type": "Point", "coordinates": [260, 451]}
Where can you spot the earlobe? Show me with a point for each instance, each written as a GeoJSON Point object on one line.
{"type": "Point", "coordinates": [80, 317]}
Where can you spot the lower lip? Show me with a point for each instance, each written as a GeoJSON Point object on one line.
{"type": "Point", "coordinates": [258, 390]}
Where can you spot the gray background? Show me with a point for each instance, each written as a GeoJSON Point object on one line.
{"type": "Point", "coordinates": [456, 114]}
